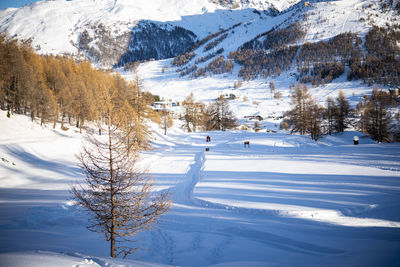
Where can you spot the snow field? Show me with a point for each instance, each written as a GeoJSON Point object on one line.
{"type": "Point", "coordinates": [304, 183]}
{"type": "Point", "coordinates": [285, 200]}
{"type": "Point", "coordinates": [277, 196]}
{"type": "Point", "coordinates": [51, 259]}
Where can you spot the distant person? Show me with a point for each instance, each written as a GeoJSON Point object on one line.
{"type": "Point", "coordinates": [208, 139]}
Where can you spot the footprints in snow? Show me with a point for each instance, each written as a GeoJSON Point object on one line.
{"type": "Point", "coordinates": [163, 245]}
{"type": "Point", "coordinates": [218, 251]}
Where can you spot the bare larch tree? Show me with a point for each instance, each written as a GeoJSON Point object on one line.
{"type": "Point", "coordinates": [220, 117]}
{"type": "Point", "coordinates": [166, 120]}
{"type": "Point", "coordinates": [117, 195]}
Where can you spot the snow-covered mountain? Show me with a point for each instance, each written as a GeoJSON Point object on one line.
{"type": "Point", "coordinates": [318, 23]}
{"type": "Point", "coordinates": [57, 27]}
{"type": "Point", "coordinates": [114, 32]}
{"type": "Point", "coordinates": [98, 28]}
{"type": "Point", "coordinates": [279, 5]}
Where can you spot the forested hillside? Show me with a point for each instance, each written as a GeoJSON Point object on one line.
{"type": "Point", "coordinates": [371, 55]}
{"type": "Point", "coordinates": [57, 88]}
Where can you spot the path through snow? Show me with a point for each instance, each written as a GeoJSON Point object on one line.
{"type": "Point", "coordinates": [284, 201]}
{"type": "Point", "coordinates": [231, 203]}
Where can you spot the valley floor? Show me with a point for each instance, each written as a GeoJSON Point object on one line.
{"type": "Point", "coordinates": [284, 201]}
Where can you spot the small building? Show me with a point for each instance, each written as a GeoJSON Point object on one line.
{"type": "Point", "coordinates": [164, 105]}
{"type": "Point", "coordinates": [254, 118]}
{"type": "Point", "coordinates": [230, 96]}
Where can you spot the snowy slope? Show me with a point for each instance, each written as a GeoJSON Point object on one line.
{"type": "Point", "coordinates": [321, 20]}
{"type": "Point", "coordinates": [54, 26]}
{"type": "Point", "coordinates": [51, 259]}
{"type": "Point", "coordinates": [326, 19]}
{"type": "Point", "coordinates": [279, 5]}
{"type": "Point", "coordinates": [284, 201]}
{"type": "Point", "coordinates": [252, 98]}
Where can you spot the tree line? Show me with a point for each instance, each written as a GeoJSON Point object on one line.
{"type": "Point", "coordinates": [187, 56]}
{"type": "Point", "coordinates": [154, 41]}
{"type": "Point", "coordinates": [275, 51]}
{"type": "Point", "coordinates": [218, 65]}
{"type": "Point", "coordinates": [60, 89]}
{"type": "Point", "coordinates": [269, 53]}
{"type": "Point", "coordinates": [215, 116]}
{"type": "Point", "coordinates": [276, 38]}
{"type": "Point", "coordinates": [381, 63]}
{"type": "Point", "coordinates": [375, 118]}
{"type": "Point", "coordinates": [258, 62]}
{"type": "Point", "coordinates": [318, 62]}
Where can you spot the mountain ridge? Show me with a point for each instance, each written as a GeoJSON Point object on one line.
{"type": "Point", "coordinates": [55, 27]}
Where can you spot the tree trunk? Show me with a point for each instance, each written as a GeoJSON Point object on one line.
{"type": "Point", "coordinates": [112, 248]}
{"type": "Point", "coordinates": [113, 222]}
{"type": "Point", "coordinates": [55, 118]}
{"type": "Point", "coordinates": [62, 120]}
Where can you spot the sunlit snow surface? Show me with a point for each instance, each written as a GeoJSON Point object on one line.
{"type": "Point", "coordinates": [284, 201]}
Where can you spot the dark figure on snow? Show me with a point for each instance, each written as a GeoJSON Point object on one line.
{"type": "Point", "coordinates": [208, 139]}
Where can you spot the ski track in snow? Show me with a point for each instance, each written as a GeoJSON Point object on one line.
{"type": "Point", "coordinates": [329, 216]}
